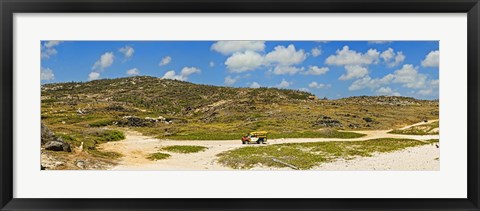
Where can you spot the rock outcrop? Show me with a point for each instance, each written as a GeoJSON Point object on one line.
{"type": "Point", "coordinates": [58, 145]}
{"type": "Point", "coordinates": [50, 142]}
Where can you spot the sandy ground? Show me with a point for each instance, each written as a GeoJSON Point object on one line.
{"type": "Point", "coordinates": [426, 157]}
{"type": "Point", "coordinates": [419, 123]}
{"type": "Point", "coordinates": [137, 147]}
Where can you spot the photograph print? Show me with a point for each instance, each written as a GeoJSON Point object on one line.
{"type": "Point", "coordinates": [234, 105]}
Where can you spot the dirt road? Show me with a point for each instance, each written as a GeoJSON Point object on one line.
{"type": "Point", "coordinates": [137, 147]}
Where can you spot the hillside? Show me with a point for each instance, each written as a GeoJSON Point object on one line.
{"type": "Point", "coordinates": [97, 112]}
{"type": "Point", "coordinates": [188, 108]}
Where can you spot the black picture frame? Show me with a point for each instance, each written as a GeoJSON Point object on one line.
{"type": "Point", "coordinates": [10, 7]}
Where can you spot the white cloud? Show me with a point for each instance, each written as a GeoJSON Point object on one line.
{"type": "Point", "coordinates": [254, 85]}
{"type": "Point", "coordinates": [230, 47]}
{"type": "Point", "coordinates": [282, 58]}
{"type": "Point", "coordinates": [425, 92]}
{"type": "Point", "coordinates": [409, 77]}
{"type": "Point", "coordinates": [186, 71]}
{"type": "Point", "coordinates": [127, 51]}
{"type": "Point", "coordinates": [387, 91]}
{"type": "Point", "coordinates": [183, 76]}
{"type": "Point", "coordinates": [354, 71]}
{"type": "Point", "coordinates": [48, 50]}
{"type": "Point", "coordinates": [399, 58]}
{"type": "Point", "coordinates": [315, 85]}
{"type": "Point", "coordinates": [211, 64]}
{"type": "Point", "coordinates": [134, 71]}
{"type": "Point", "coordinates": [106, 60]}
{"type": "Point", "coordinates": [284, 84]}
{"type": "Point", "coordinates": [172, 75]}
{"type": "Point", "coordinates": [285, 56]}
{"type": "Point", "coordinates": [51, 43]}
{"type": "Point", "coordinates": [304, 89]}
{"type": "Point", "coordinates": [316, 51]}
{"type": "Point", "coordinates": [245, 57]}
{"type": "Point", "coordinates": [46, 74]}
{"type": "Point", "coordinates": [392, 58]}
{"type": "Point", "coordinates": [165, 60]}
{"type": "Point", "coordinates": [388, 54]}
{"type": "Point", "coordinates": [351, 57]}
{"type": "Point", "coordinates": [229, 80]}
{"type": "Point", "coordinates": [372, 83]}
{"type": "Point", "coordinates": [93, 76]}
{"type": "Point", "coordinates": [315, 70]}
{"type": "Point", "coordinates": [432, 59]}
{"type": "Point", "coordinates": [283, 70]}
{"type": "Point", "coordinates": [430, 89]}
{"type": "Point", "coordinates": [244, 61]}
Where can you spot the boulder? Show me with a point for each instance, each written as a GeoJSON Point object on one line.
{"type": "Point", "coordinates": [133, 121]}
{"type": "Point", "coordinates": [67, 147]}
{"type": "Point", "coordinates": [58, 145]}
{"type": "Point", "coordinates": [353, 126]}
{"type": "Point", "coordinates": [368, 119]}
{"type": "Point", "coordinates": [51, 142]}
{"type": "Point", "coordinates": [54, 146]}
{"type": "Point", "coordinates": [46, 135]}
{"type": "Point", "coordinates": [326, 121]}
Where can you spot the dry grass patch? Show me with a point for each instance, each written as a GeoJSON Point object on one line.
{"type": "Point", "coordinates": [425, 129]}
{"type": "Point", "coordinates": [308, 155]}
{"type": "Point", "coordinates": [158, 156]}
{"type": "Point", "coordinates": [184, 149]}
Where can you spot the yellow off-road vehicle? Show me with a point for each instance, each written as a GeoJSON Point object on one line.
{"type": "Point", "coordinates": [259, 137]}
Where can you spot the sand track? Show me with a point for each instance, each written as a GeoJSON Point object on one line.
{"type": "Point", "coordinates": [137, 147]}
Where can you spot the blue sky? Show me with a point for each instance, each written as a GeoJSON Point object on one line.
{"type": "Point", "coordinates": [332, 69]}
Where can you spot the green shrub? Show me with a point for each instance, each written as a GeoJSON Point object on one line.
{"type": "Point", "coordinates": [101, 123]}
{"type": "Point", "coordinates": [158, 156]}
{"type": "Point", "coordinates": [308, 155]}
{"type": "Point", "coordinates": [184, 149]}
{"type": "Point", "coordinates": [106, 135]}
{"type": "Point", "coordinates": [105, 154]}
{"type": "Point", "coordinates": [66, 137]}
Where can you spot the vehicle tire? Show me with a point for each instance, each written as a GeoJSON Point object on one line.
{"type": "Point", "coordinates": [259, 142]}
{"type": "Point", "coordinates": [244, 142]}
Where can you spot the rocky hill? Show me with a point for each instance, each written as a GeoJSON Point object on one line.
{"type": "Point", "coordinates": [169, 97]}
{"type": "Point", "coordinates": [81, 116]}
{"type": "Point", "coordinates": [176, 109]}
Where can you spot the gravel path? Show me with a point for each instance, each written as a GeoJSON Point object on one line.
{"type": "Point", "coordinates": [137, 147]}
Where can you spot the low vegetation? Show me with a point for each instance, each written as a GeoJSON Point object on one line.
{"type": "Point", "coordinates": [158, 156]}
{"type": "Point", "coordinates": [425, 129]}
{"type": "Point", "coordinates": [105, 154]}
{"type": "Point", "coordinates": [91, 139]}
{"type": "Point", "coordinates": [107, 135]}
{"type": "Point", "coordinates": [184, 149]}
{"type": "Point", "coordinates": [101, 123]}
{"type": "Point", "coordinates": [96, 112]}
{"type": "Point", "coordinates": [179, 110]}
{"type": "Point", "coordinates": [308, 155]}
{"type": "Point", "coordinates": [324, 133]}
